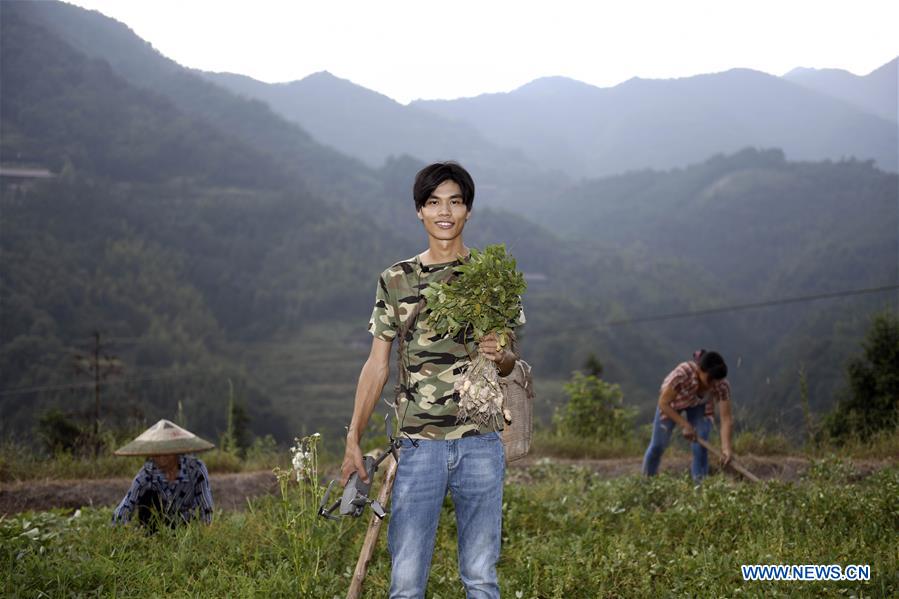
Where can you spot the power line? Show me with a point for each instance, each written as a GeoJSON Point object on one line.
{"type": "Point", "coordinates": [722, 309]}
{"type": "Point", "coordinates": [765, 304]}
{"type": "Point", "coordinates": [91, 384]}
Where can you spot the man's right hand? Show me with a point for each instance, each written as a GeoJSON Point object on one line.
{"type": "Point", "coordinates": [689, 433]}
{"type": "Point", "coordinates": [352, 462]}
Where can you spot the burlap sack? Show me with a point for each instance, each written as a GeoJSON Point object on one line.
{"type": "Point", "coordinates": [518, 398]}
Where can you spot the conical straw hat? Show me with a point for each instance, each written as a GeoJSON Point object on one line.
{"type": "Point", "coordinates": [165, 438]}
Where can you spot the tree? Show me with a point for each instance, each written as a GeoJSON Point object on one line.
{"type": "Point", "coordinates": [236, 439]}
{"type": "Point", "coordinates": [594, 410]}
{"type": "Point", "coordinates": [58, 432]}
{"type": "Point", "coordinates": [593, 366]}
{"type": "Point", "coordinates": [806, 404]}
{"type": "Point", "coordinates": [872, 401]}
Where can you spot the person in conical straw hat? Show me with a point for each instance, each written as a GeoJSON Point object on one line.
{"type": "Point", "coordinates": [171, 486]}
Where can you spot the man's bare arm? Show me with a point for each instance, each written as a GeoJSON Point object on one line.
{"type": "Point", "coordinates": [372, 379]}
{"type": "Point", "coordinates": [665, 398]}
{"type": "Point", "coordinates": [726, 430]}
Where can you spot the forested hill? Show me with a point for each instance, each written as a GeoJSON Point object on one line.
{"type": "Point", "coordinates": [286, 145]}
{"type": "Point", "coordinates": [758, 224]}
{"type": "Point", "coordinates": [220, 249]}
{"type": "Point", "coordinates": [762, 229]}
{"type": "Point", "coordinates": [195, 251]}
{"type": "Point", "coordinates": [161, 229]}
{"type": "Point", "coordinates": [58, 107]}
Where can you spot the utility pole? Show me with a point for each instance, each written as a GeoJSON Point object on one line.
{"type": "Point", "coordinates": [96, 365]}
{"type": "Point", "coordinates": [99, 368]}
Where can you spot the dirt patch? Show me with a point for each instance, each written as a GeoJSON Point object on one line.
{"type": "Point", "coordinates": [229, 492]}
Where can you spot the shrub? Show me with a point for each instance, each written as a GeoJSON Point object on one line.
{"type": "Point", "coordinates": [872, 403]}
{"type": "Point", "coordinates": [57, 431]}
{"type": "Point", "coordinates": [594, 410]}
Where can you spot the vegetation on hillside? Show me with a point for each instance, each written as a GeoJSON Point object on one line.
{"type": "Point", "coordinates": [209, 240]}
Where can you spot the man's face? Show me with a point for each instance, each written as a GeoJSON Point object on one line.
{"type": "Point", "coordinates": [444, 213]}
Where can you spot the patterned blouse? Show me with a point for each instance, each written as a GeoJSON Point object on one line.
{"type": "Point", "coordinates": [183, 496]}
{"type": "Point", "coordinates": [685, 381]}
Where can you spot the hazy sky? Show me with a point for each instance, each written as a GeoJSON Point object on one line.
{"type": "Point", "coordinates": [419, 49]}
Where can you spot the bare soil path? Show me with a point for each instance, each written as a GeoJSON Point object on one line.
{"type": "Point", "coordinates": [229, 492]}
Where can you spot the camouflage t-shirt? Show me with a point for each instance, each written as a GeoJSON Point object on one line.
{"type": "Point", "coordinates": [429, 408]}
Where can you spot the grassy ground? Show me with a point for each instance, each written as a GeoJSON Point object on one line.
{"type": "Point", "coordinates": [567, 533]}
{"type": "Point", "coordinates": [546, 442]}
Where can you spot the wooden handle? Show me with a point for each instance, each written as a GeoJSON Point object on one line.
{"type": "Point", "coordinates": [733, 462]}
{"type": "Point", "coordinates": [371, 536]}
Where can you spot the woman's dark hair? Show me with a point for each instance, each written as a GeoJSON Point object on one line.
{"type": "Point", "coordinates": [711, 363]}
{"type": "Point", "coordinates": [430, 177]}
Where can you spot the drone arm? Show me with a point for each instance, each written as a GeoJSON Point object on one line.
{"type": "Point", "coordinates": [327, 512]}
{"type": "Point", "coordinates": [390, 451]}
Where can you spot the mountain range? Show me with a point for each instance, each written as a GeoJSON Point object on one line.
{"type": "Point", "coordinates": [587, 131]}
{"type": "Point", "coordinates": [563, 125]}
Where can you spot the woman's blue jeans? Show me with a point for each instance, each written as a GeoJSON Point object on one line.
{"type": "Point", "coordinates": [472, 470]}
{"type": "Point", "coordinates": [661, 436]}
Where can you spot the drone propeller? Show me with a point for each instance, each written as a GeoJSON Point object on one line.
{"type": "Point", "coordinates": [324, 511]}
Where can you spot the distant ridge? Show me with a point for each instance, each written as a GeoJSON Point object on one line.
{"type": "Point", "coordinates": [373, 128]}
{"type": "Point", "coordinates": [356, 120]}
{"type": "Point", "coordinates": [875, 92]}
{"type": "Point", "coordinates": [644, 123]}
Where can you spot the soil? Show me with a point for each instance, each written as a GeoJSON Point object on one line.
{"type": "Point", "coordinates": [231, 491]}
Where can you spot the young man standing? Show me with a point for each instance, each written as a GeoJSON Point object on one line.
{"type": "Point", "coordinates": [438, 453]}
{"type": "Point", "coordinates": [688, 397]}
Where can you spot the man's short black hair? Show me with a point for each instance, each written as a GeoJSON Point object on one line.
{"type": "Point", "coordinates": [712, 364]}
{"type": "Point", "coordinates": [430, 177]}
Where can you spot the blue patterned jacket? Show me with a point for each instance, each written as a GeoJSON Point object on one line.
{"type": "Point", "coordinates": [183, 496]}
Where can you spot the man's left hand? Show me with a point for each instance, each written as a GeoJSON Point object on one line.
{"type": "Point", "coordinates": [726, 457]}
{"type": "Point", "coordinates": [489, 347]}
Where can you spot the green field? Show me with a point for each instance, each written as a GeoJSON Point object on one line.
{"type": "Point", "coordinates": [567, 533]}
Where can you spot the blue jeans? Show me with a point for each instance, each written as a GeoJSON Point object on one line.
{"type": "Point", "coordinates": [661, 436]}
{"type": "Point", "coordinates": [472, 470]}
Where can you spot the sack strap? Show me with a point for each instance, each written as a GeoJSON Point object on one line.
{"type": "Point", "coordinates": [402, 376]}
{"type": "Point", "coordinates": [402, 371]}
